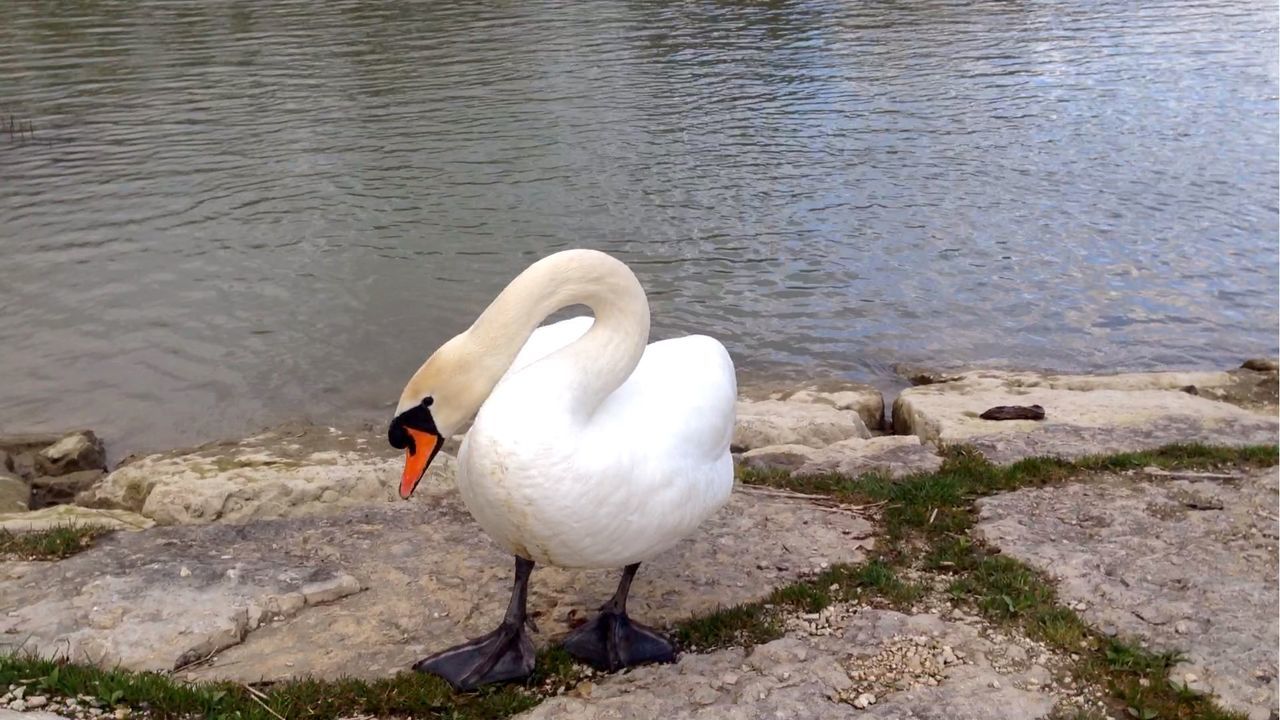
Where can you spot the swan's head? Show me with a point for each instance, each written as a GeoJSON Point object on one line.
{"type": "Point", "coordinates": [440, 398]}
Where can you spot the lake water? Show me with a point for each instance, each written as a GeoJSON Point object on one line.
{"type": "Point", "coordinates": [235, 213]}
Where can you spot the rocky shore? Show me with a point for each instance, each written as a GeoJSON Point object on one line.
{"type": "Point", "coordinates": [288, 554]}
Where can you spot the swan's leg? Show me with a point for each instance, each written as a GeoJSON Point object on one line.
{"type": "Point", "coordinates": [503, 655]}
{"type": "Point", "coordinates": [612, 641]}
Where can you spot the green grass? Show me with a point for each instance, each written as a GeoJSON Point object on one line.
{"type": "Point", "coordinates": [52, 544]}
{"type": "Point", "coordinates": [925, 519]}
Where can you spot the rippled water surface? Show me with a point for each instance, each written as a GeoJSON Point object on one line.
{"type": "Point", "coordinates": [235, 212]}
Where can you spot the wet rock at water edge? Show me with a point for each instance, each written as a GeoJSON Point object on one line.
{"type": "Point", "coordinates": [62, 489]}
{"type": "Point", "coordinates": [784, 422]}
{"type": "Point", "coordinates": [1260, 365]}
{"type": "Point", "coordinates": [15, 494]}
{"type": "Point", "coordinates": [1014, 412]}
{"type": "Point", "coordinates": [74, 452]}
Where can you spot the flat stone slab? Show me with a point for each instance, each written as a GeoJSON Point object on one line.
{"type": "Point", "coordinates": [1083, 414]}
{"type": "Point", "coordinates": [291, 471]}
{"type": "Point", "coordinates": [369, 591]}
{"type": "Point", "coordinates": [893, 455]}
{"type": "Point", "coordinates": [1182, 562]}
{"type": "Point", "coordinates": [849, 663]}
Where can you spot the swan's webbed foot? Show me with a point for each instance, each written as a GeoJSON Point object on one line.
{"type": "Point", "coordinates": [612, 641]}
{"type": "Point", "coordinates": [504, 655]}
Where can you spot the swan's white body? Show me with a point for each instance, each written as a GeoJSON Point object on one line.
{"type": "Point", "coordinates": [590, 448]}
{"type": "Point", "coordinates": [638, 475]}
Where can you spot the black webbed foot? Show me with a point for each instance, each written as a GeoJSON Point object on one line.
{"type": "Point", "coordinates": [504, 655]}
{"type": "Point", "coordinates": [612, 641]}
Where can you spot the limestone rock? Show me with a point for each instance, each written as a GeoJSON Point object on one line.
{"type": "Point", "coordinates": [1146, 559]}
{"type": "Point", "coordinates": [866, 400]}
{"type": "Point", "coordinates": [1085, 414]}
{"type": "Point", "coordinates": [21, 443]}
{"type": "Point", "coordinates": [62, 489]}
{"type": "Point", "coordinates": [24, 465]}
{"type": "Point", "coordinates": [783, 422]}
{"type": "Point", "coordinates": [432, 579]}
{"type": "Point", "coordinates": [893, 455]}
{"type": "Point", "coordinates": [807, 675]}
{"type": "Point", "coordinates": [286, 472]}
{"type": "Point", "coordinates": [63, 515]}
{"type": "Point", "coordinates": [1261, 365]}
{"type": "Point", "coordinates": [74, 452]}
{"type": "Point", "coordinates": [15, 495]}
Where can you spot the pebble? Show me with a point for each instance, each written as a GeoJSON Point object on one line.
{"type": "Point", "coordinates": [36, 701]}
{"type": "Point", "coordinates": [864, 700]}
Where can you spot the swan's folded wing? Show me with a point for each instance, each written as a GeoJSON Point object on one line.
{"type": "Point", "coordinates": [548, 339]}
{"type": "Point", "coordinates": [680, 399]}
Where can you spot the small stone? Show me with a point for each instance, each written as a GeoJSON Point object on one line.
{"type": "Point", "coordinates": [184, 572]}
{"type": "Point", "coordinates": [864, 701]}
{"type": "Point", "coordinates": [18, 691]}
{"type": "Point", "coordinates": [122, 713]}
{"type": "Point", "coordinates": [1190, 678]}
{"type": "Point", "coordinates": [36, 701]}
{"type": "Point", "coordinates": [1182, 627]}
{"type": "Point", "coordinates": [995, 684]}
{"type": "Point", "coordinates": [18, 705]}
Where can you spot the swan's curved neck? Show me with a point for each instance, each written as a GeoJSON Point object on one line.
{"type": "Point", "coordinates": [603, 358]}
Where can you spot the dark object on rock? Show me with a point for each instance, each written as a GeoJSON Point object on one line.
{"type": "Point", "coordinates": [1190, 390]}
{"type": "Point", "coordinates": [1260, 365]}
{"type": "Point", "coordinates": [74, 452]}
{"type": "Point", "coordinates": [62, 489]}
{"type": "Point", "coordinates": [1014, 412]}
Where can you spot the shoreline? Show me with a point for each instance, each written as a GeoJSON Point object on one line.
{"type": "Point", "coordinates": [290, 555]}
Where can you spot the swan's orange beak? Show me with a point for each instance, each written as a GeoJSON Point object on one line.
{"type": "Point", "coordinates": [417, 457]}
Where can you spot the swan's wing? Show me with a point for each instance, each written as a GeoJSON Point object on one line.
{"type": "Point", "coordinates": [679, 401]}
{"type": "Point", "coordinates": [548, 339]}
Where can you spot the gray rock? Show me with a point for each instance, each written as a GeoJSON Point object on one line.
{"type": "Point", "coordinates": [172, 594]}
{"type": "Point", "coordinates": [1261, 365]}
{"type": "Point", "coordinates": [62, 489]}
{"type": "Point", "coordinates": [6, 462]}
{"type": "Point", "coordinates": [28, 442]}
{"type": "Point", "coordinates": [865, 400]}
{"type": "Point", "coordinates": [813, 676]}
{"type": "Point", "coordinates": [782, 422]}
{"type": "Point", "coordinates": [297, 470]}
{"type": "Point", "coordinates": [74, 452]}
{"type": "Point", "coordinates": [1085, 414]}
{"type": "Point", "coordinates": [15, 494]}
{"type": "Point", "coordinates": [24, 465]}
{"type": "Point", "coordinates": [1150, 558]}
{"type": "Point", "coordinates": [894, 455]}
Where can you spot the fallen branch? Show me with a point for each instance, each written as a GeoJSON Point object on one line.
{"type": "Point", "coordinates": [1191, 474]}
{"type": "Point", "coordinates": [261, 700]}
{"type": "Point", "coordinates": [822, 501]}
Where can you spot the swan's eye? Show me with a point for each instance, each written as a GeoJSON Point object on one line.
{"type": "Point", "coordinates": [417, 418]}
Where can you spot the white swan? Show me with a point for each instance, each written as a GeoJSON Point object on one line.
{"type": "Point", "coordinates": [589, 449]}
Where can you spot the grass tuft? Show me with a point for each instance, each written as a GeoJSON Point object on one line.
{"type": "Point", "coordinates": [52, 544]}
